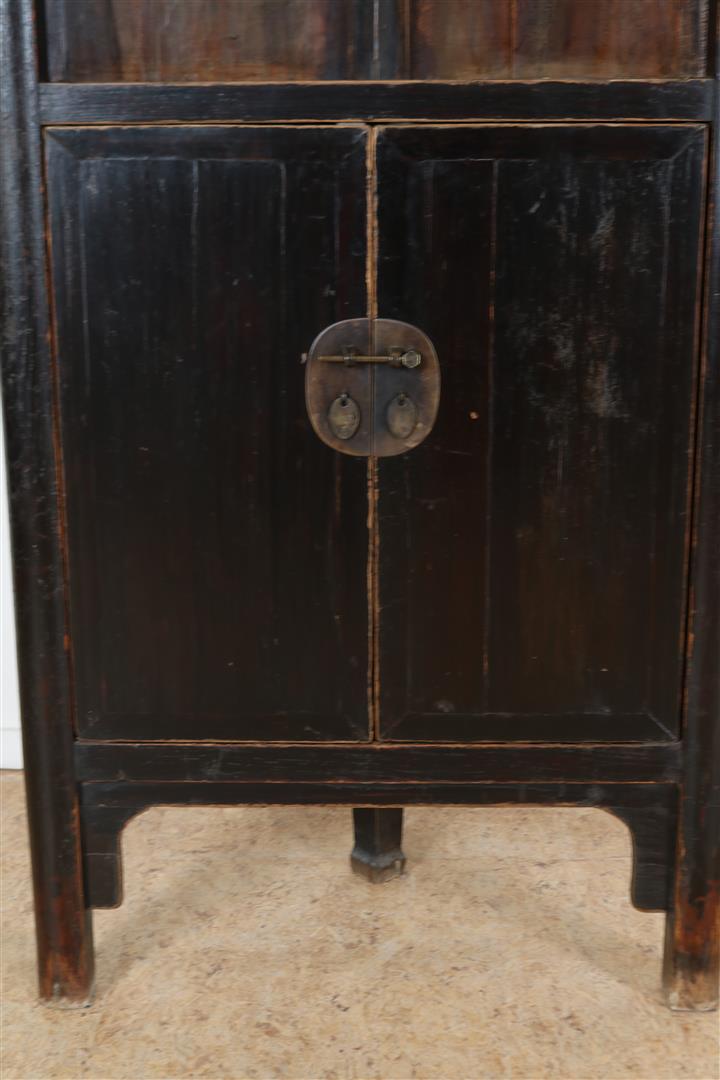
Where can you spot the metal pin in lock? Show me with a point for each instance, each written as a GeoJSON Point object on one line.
{"type": "Point", "coordinates": [408, 358]}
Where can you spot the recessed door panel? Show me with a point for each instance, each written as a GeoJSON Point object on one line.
{"type": "Point", "coordinates": [532, 553]}
{"type": "Point", "coordinates": [217, 551]}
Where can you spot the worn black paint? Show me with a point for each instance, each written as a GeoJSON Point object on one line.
{"type": "Point", "coordinates": [546, 100]}
{"type": "Point", "coordinates": [650, 811]}
{"type": "Point", "coordinates": [63, 928]}
{"type": "Point", "coordinates": [638, 782]}
{"type": "Point", "coordinates": [542, 528]}
{"type": "Point", "coordinates": [377, 763]}
{"type": "Point", "coordinates": [217, 550]}
{"type": "Point", "coordinates": [692, 949]}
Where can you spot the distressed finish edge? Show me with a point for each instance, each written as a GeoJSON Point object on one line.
{"type": "Point", "coordinates": [376, 763]}
{"type": "Point", "coordinates": [692, 947]}
{"type": "Point", "coordinates": [64, 940]}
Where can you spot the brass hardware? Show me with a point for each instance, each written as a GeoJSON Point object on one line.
{"type": "Point", "coordinates": [402, 416]}
{"type": "Point", "coordinates": [344, 417]}
{"type": "Point", "coordinates": [372, 386]}
{"type": "Point", "coordinates": [409, 358]}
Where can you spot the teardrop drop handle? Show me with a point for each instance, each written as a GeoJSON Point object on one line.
{"type": "Point", "coordinates": [402, 416]}
{"type": "Point", "coordinates": [344, 417]}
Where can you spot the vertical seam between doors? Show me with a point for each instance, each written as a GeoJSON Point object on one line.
{"type": "Point", "coordinates": [372, 463]}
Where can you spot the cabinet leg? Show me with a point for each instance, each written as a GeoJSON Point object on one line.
{"type": "Point", "coordinates": [692, 947]}
{"type": "Point", "coordinates": [63, 924]}
{"type": "Point", "coordinates": [377, 854]}
{"type": "Point", "coordinates": [61, 919]}
{"type": "Point", "coordinates": [691, 967]}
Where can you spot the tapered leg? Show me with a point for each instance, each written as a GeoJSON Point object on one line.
{"type": "Point", "coordinates": [377, 854]}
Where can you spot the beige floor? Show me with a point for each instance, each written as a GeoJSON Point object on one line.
{"type": "Point", "coordinates": [246, 948]}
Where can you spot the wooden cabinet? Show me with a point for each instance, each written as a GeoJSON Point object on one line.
{"type": "Point", "coordinates": [476, 562]}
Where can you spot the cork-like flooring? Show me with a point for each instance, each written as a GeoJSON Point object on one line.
{"type": "Point", "coordinates": [246, 948]}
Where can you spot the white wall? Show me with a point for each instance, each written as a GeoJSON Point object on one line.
{"type": "Point", "coordinates": [10, 748]}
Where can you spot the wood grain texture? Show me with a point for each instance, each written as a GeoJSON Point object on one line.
{"type": "Point", "coordinates": [236, 40]}
{"type": "Point", "coordinates": [63, 927]}
{"type": "Point", "coordinates": [206, 40]}
{"type": "Point", "coordinates": [217, 550]}
{"type": "Point", "coordinates": [459, 39]}
{"type": "Point", "coordinates": [535, 39]}
{"type": "Point", "coordinates": [542, 527]}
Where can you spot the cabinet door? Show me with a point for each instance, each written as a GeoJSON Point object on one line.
{"type": "Point", "coordinates": [533, 551]}
{"type": "Point", "coordinates": [216, 551]}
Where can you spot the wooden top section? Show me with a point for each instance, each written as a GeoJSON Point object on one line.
{"type": "Point", "coordinates": [286, 40]}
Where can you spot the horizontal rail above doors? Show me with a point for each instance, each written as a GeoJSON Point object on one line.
{"type": "Point", "coordinates": [119, 103]}
{"type": "Point", "coordinates": [377, 764]}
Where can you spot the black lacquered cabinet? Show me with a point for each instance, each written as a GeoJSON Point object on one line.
{"type": "Point", "coordinates": [362, 408]}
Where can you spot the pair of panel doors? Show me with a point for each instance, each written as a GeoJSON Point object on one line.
{"type": "Point", "coordinates": [520, 575]}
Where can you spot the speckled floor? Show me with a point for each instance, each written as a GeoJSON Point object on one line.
{"type": "Point", "coordinates": [246, 948]}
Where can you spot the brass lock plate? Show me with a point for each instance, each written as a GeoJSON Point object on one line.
{"type": "Point", "coordinates": [372, 386]}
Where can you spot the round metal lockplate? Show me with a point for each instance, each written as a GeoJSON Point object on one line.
{"type": "Point", "coordinates": [372, 386]}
